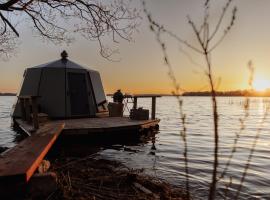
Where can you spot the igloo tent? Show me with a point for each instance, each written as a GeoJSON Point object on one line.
{"type": "Point", "coordinates": [64, 89]}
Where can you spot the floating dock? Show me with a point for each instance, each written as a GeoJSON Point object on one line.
{"type": "Point", "coordinates": [65, 90]}
{"type": "Point", "coordinates": [88, 126]}
{"type": "Point", "coordinates": [20, 163]}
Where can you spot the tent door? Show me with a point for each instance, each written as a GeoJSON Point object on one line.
{"type": "Point", "coordinates": [79, 105]}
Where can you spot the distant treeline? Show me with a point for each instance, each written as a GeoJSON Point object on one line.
{"type": "Point", "coordinates": [236, 93]}
{"type": "Point", "coordinates": [7, 94]}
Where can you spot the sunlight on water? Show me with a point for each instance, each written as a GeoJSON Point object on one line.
{"type": "Point", "coordinates": [167, 160]}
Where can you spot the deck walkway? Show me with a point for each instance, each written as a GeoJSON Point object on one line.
{"type": "Point", "coordinates": [20, 162]}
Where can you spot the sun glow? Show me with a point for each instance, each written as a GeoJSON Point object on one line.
{"type": "Point", "coordinates": [261, 84]}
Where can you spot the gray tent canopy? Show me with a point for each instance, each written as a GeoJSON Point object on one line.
{"type": "Point", "coordinates": [64, 89]}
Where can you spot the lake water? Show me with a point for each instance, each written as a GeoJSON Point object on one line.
{"type": "Point", "coordinates": [167, 162]}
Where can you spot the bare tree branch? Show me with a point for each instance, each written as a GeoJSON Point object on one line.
{"type": "Point", "coordinates": [8, 44]}
{"type": "Point", "coordinates": [220, 20]}
{"type": "Point", "coordinates": [92, 19]}
{"type": "Point", "coordinates": [6, 21]}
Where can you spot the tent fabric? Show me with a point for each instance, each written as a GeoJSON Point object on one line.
{"type": "Point", "coordinates": [61, 64]}
{"type": "Point", "coordinates": [32, 79]}
{"type": "Point", "coordinates": [65, 89]}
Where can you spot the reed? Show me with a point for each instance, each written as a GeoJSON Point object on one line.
{"type": "Point", "coordinates": [242, 121]}
{"type": "Point", "coordinates": [92, 178]}
{"type": "Point", "coordinates": [157, 30]}
{"type": "Point", "coordinates": [208, 42]}
{"type": "Point", "coordinates": [252, 150]}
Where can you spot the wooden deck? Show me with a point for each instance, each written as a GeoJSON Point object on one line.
{"type": "Point", "coordinates": [20, 162]}
{"type": "Point", "coordinates": [96, 125]}
{"type": "Point", "coordinates": [108, 124]}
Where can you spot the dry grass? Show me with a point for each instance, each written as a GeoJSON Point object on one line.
{"type": "Point", "coordinates": [91, 178]}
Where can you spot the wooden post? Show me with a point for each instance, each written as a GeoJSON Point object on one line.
{"type": "Point", "coordinates": [22, 109]}
{"type": "Point", "coordinates": [153, 115]}
{"type": "Point", "coordinates": [27, 110]}
{"type": "Point", "coordinates": [35, 112]}
{"type": "Point", "coordinates": [135, 103]}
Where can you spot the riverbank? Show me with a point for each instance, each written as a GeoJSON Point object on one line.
{"type": "Point", "coordinates": [73, 171]}
{"type": "Point", "coordinates": [94, 178]}
{"type": "Point", "coordinates": [78, 172]}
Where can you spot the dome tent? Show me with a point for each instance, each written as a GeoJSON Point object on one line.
{"type": "Point", "coordinates": [64, 89]}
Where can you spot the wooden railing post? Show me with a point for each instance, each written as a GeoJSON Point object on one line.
{"type": "Point", "coordinates": [22, 109]}
{"type": "Point", "coordinates": [35, 112]}
{"type": "Point", "coordinates": [135, 103]}
{"type": "Point", "coordinates": [153, 97]}
{"type": "Point", "coordinates": [27, 110]}
{"type": "Point", "coordinates": [153, 114]}
{"type": "Point", "coordinates": [29, 106]}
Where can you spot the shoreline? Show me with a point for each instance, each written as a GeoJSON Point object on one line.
{"type": "Point", "coordinates": [91, 178]}
{"type": "Point", "coordinates": [80, 173]}
{"type": "Point", "coordinates": [95, 178]}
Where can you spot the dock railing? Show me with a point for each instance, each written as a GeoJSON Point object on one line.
{"type": "Point", "coordinates": [28, 105]}
{"type": "Point", "coordinates": [154, 97]}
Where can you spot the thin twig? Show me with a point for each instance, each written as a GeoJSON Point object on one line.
{"type": "Point", "coordinates": [252, 149]}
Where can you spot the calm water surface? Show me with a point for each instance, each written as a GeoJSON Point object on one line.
{"type": "Point", "coordinates": [167, 161]}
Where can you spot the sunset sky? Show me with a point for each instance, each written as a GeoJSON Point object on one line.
{"type": "Point", "coordinates": [141, 68]}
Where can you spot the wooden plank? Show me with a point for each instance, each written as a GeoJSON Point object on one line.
{"type": "Point", "coordinates": [102, 114]}
{"type": "Point", "coordinates": [27, 96]}
{"type": "Point", "coordinates": [151, 123]}
{"type": "Point", "coordinates": [101, 122]}
{"type": "Point", "coordinates": [99, 125]}
{"type": "Point", "coordinates": [20, 162]}
{"type": "Point", "coordinates": [26, 128]}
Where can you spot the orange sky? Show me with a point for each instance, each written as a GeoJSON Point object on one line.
{"type": "Point", "coordinates": [141, 68]}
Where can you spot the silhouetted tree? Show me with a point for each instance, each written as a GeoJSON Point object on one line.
{"type": "Point", "coordinates": [58, 20]}
{"type": "Point", "coordinates": [8, 44]}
